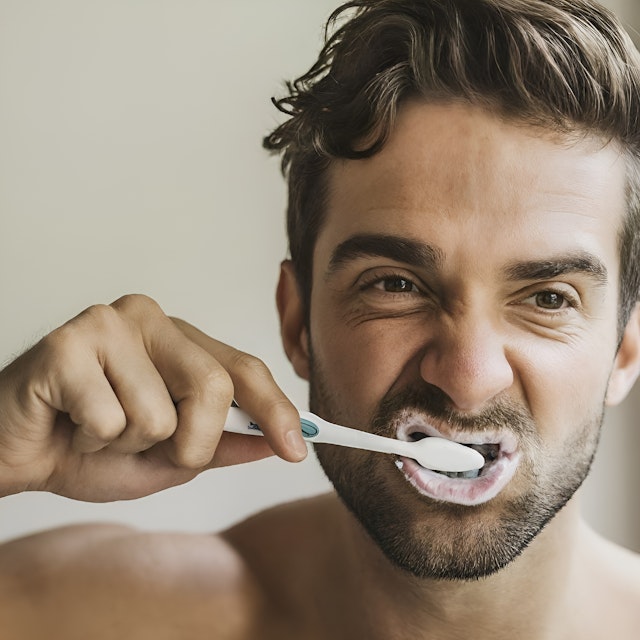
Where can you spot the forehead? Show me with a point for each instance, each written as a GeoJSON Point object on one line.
{"type": "Point", "coordinates": [458, 177]}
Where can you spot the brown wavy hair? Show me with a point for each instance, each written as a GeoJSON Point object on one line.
{"type": "Point", "coordinates": [564, 65]}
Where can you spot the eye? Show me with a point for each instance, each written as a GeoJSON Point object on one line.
{"type": "Point", "coordinates": [396, 284]}
{"type": "Point", "coordinates": [550, 300]}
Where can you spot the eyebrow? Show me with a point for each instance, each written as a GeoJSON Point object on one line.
{"type": "Point", "coordinates": [423, 255]}
{"type": "Point", "coordinates": [581, 263]}
{"type": "Point", "coordinates": [397, 248]}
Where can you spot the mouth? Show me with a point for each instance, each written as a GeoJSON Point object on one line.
{"type": "Point", "coordinates": [490, 451]}
{"type": "Point", "coordinates": [498, 447]}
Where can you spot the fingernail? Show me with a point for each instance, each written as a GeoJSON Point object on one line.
{"type": "Point", "coordinates": [296, 442]}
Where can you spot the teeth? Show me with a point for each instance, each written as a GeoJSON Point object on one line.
{"type": "Point", "coordinates": [470, 475]}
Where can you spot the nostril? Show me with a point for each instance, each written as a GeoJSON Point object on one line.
{"type": "Point", "coordinates": [417, 435]}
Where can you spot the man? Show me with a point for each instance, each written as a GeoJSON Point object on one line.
{"type": "Point", "coordinates": [463, 220]}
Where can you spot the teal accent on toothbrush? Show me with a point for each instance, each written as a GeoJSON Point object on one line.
{"type": "Point", "coordinates": [309, 430]}
{"type": "Point", "coordinates": [432, 453]}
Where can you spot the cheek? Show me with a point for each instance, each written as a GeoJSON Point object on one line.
{"type": "Point", "coordinates": [361, 363]}
{"type": "Point", "coordinates": [563, 387]}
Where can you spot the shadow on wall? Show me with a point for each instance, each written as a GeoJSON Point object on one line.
{"type": "Point", "coordinates": [610, 502]}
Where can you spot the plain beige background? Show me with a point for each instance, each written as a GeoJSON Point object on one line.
{"type": "Point", "coordinates": [130, 161]}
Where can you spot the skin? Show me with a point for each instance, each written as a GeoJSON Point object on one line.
{"type": "Point", "coordinates": [487, 194]}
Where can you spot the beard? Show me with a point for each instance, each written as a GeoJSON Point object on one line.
{"type": "Point", "coordinates": [440, 540]}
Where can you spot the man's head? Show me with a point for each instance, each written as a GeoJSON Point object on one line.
{"type": "Point", "coordinates": [460, 179]}
{"type": "Point", "coordinates": [566, 65]}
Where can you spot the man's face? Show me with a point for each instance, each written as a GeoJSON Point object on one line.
{"type": "Point", "coordinates": [465, 285]}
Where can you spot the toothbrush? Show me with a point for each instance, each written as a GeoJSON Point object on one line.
{"type": "Point", "coordinates": [434, 453]}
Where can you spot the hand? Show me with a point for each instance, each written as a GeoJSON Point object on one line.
{"type": "Point", "coordinates": [122, 401]}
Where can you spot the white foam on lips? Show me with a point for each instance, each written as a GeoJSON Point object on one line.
{"type": "Point", "coordinates": [463, 491]}
{"type": "Point", "coordinates": [416, 423]}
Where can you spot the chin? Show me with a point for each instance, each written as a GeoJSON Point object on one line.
{"type": "Point", "coordinates": [441, 540]}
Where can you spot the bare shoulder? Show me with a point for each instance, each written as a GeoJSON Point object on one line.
{"type": "Point", "coordinates": [109, 581]}
{"type": "Point", "coordinates": [624, 591]}
{"type": "Point", "coordinates": [288, 535]}
{"type": "Point", "coordinates": [294, 552]}
{"type": "Point", "coordinates": [614, 575]}
{"type": "Point", "coordinates": [620, 567]}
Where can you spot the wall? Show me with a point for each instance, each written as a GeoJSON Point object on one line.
{"type": "Point", "coordinates": [130, 161]}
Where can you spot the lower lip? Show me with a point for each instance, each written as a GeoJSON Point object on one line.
{"type": "Point", "coordinates": [464, 491]}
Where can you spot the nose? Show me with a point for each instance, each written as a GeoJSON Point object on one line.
{"type": "Point", "coordinates": [468, 361]}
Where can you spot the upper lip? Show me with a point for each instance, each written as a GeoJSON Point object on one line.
{"type": "Point", "coordinates": [413, 423]}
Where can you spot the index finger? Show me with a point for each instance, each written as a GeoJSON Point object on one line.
{"type": "Point", "coordinates": [257, 393]}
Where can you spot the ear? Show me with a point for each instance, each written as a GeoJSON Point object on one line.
{"type": "Point", "coordinates": [626, 366]}
{"type": "Point", "coordinates": [293, 328]}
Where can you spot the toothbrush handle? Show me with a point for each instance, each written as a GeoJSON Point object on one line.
{"type": "Point", "coordinates": [348, 437]}
{"type": "Point", "coordinates": [238, 421]}
{"type": "Point", "coordinates": [315, 429]}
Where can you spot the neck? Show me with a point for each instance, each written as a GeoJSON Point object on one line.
{"type": "Point", "coordinates": [527, 599]}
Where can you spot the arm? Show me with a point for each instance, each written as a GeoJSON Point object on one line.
{"type": "Point", "coordinates": [109, 582]}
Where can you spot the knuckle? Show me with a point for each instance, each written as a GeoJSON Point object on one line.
{"type": "Point", "coordinates": [99, 316]}
{"type": "Point", "coordinates": [56, 342]}
{"type": "Point", "coordinates": [249, 366]}
{"type": "Point", "coordinates": [158, 427]}
{"type": "Point", "coordinates": [137, 305]}
{"type": "Point", "coordinates": [192, 458]}
{"type": "Point", "coordinates": [107, 429]}
{"type": "Point", "coordinates": [75, 339]}
{"type": "Point", "coordinates": [60, 346]}
{"type": "Point", "coordinates": [216, 382]}
{"type": "Point", "coordinates": [281, 411]}
{"type": "Point", "coordinates": [96, 320]}
{"type": "Point", "coordinates": [73, 336]}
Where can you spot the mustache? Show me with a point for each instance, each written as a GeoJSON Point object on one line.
{"type": "Point", "coordinates": [502, 413]}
